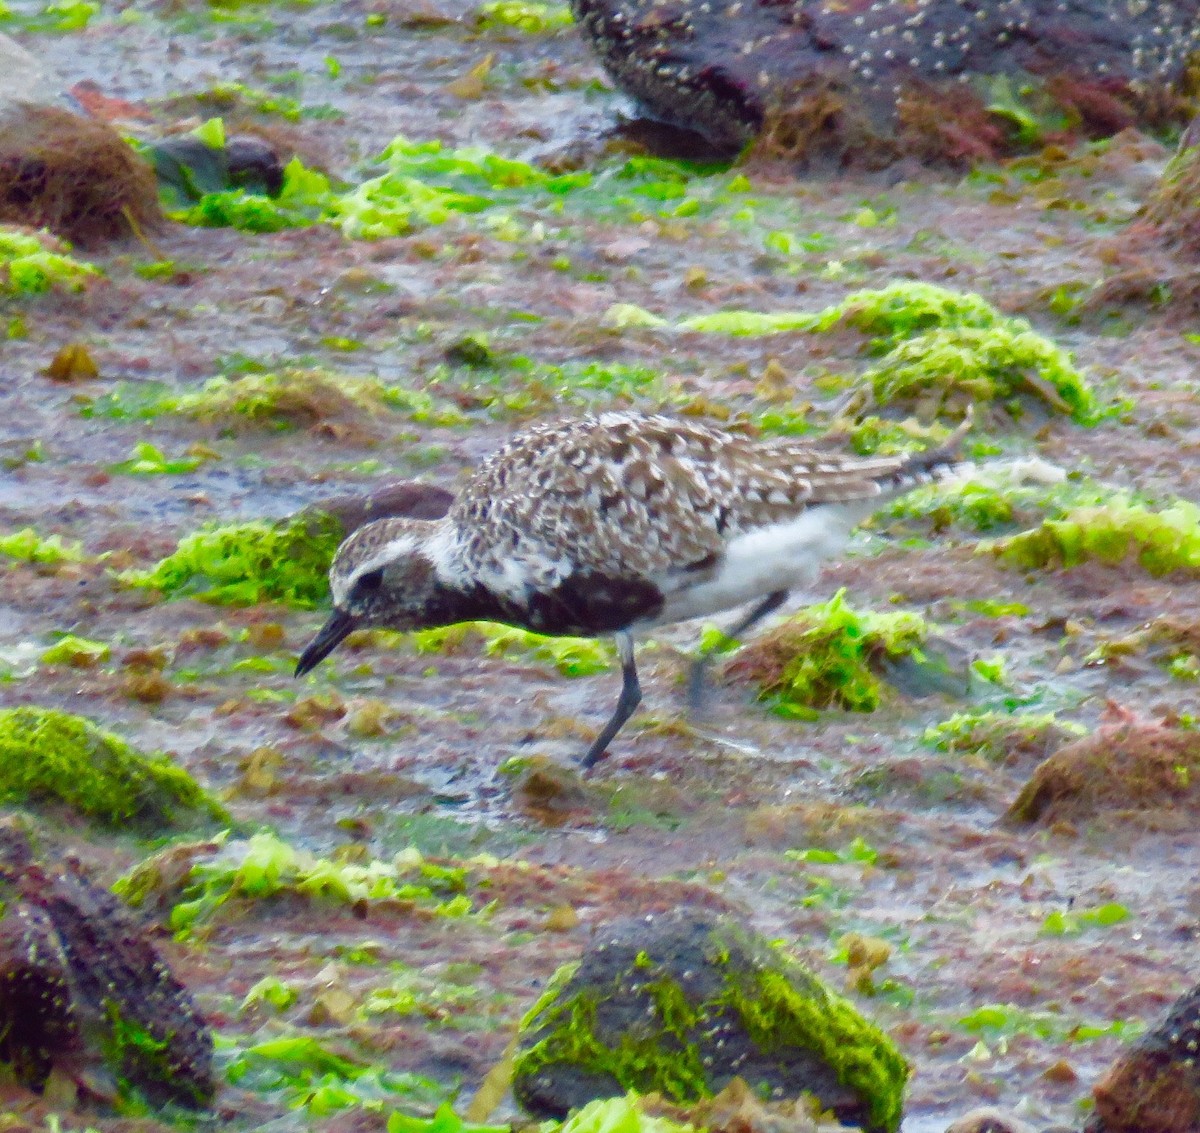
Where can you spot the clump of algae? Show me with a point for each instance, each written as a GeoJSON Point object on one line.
{"type": "Point", "coordinates": [996, 496]}
{"type": "Point", "coordinates": [265, 866]}
{"type": "Point", "coordinates": [827, 656]}
{"type": "Point", "coordinates": [47, 754]}
{"type": "Point", "coordinates": [284, 399]}
{"type": "Point", "coordinates": [27, 546]}
{"type": "Point", "coordinates": [305, 198]}
{"type": "Point", "coordinates": [951, 367]}
{"type": "Point", "coordinates": [1162, 541]}
{"type": "Point", "coordinates": [1001, 736]}
{"type": "Point", "coordinates": [572, 656]}
{"type": "Point", "coordinates": [243, 564]}
{"type": "Point", "coordinates": [525, 16]}
{"type": "Point", "coordinates": [943, 349]}
{"type": "Point", "coordinates": [426, 183]}
{"type": "Point", "coordinates": [940, 350]}
{"type": "Point", "coordinates": [32, 264]}
{"type": "Point", "coordinates": [287, 399]}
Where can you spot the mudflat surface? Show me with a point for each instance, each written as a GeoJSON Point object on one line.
{"type": "Point", "coordinates": [987, 996]}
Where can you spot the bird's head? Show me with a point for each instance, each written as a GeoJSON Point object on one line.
{"type": "Point", "coordinates": [384, 574]}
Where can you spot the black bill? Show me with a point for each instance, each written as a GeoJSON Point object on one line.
{"type": "Point", "coordinates": [327, 640]}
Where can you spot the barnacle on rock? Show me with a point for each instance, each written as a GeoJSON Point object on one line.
{"type": "Point", "coordinates": [869, 83]}
{"type": "Point", "coordinates": [81, 982]}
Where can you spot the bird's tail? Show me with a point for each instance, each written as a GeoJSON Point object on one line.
{"type": "Point", "coordinates": [930, 465]}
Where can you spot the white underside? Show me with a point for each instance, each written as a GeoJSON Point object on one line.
{"type": "Point", "coordinates": [782, 557]}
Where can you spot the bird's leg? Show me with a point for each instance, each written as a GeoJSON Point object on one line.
{"type": "Point", "coordinates": [695, 687]}
{"type": "Point", "coordinates": [630, 698]}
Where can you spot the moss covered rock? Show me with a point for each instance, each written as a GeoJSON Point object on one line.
{"type": "Point", "coordinates": [685, 1002]}
{"type": "Point", "coordinates": [47, 755]}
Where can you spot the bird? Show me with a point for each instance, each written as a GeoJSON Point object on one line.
{"type": "Point", "coordinates": [615, 523]}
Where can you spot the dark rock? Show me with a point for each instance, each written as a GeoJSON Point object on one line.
{"type": "Point", "coordinates": [406, 498]}
{"type": "Point", "coordinates": [254, 166]}
{"type": "Point", "coordinates": [990, 1120]}
{"type": "Point", "coordinates": [1155, 1087]}
{"type": "Point", "coordinates": [38, 1017]}
{"type": "Point", "coordinates": [189, 168]}
{"type": "Point", "coordinates": [868, 82]}
{"type": "Point", "coordinates": [80, 981]}
{"type": "Point", "coordinates": [685, 1002]}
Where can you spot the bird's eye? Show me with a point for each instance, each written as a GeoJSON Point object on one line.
{"type": "Point", "coordinates": [370, 582]}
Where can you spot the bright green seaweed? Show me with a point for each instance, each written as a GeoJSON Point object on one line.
{"type": "Point", "coordinates": [242, 564]}
{"type": "Point", "coordinates": [30, 266]}
{"type": "Point", "coordinates": [1162, 541]}
{"type": "Point", "coordinates": [824, 657]}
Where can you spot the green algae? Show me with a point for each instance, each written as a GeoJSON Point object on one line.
{"type": "Point", "coordinates": [426, 183]}
{"type": "Point", "coordinates": [31, 265]}
{"type": "Point", "coordinates": [779, 1004]}
{"type": "Point", "coordinates": [1000, 735]}
{"type": "Point", "coordinates": [1161, 541]}
{"type": "Point", "coordinates": [981, 365]}
{"type": "Point", "coordinates": [27, 546]}
{"type": "Point", "coordinates": [445, 1120]}
{"type": "Point", "coordinates": [776, 1015]}
{"type": "Point", "coordinates": [619, 1115]}
{"type": "Point", "coordinates": [265, 866]}
{"type": "Point", "coordinates": [79, 652]}
{"type": "Point", "coordinates": [994, 498]}
{"type": "Point", "coordinates": [735, 323]}
{"type": "Point", "coordinates": [1001, 1021]}
{"type": "Point", "coordinates": [306, 198]}
{"type": "Point", "coordinates": [274, 399]}
{"type": "Point", "coordinates": [525, 16]}
{"type": "Point", "coordinates": [56, 17]}
{"type": "Point", "coordinates": [313, 1078]}
{"type": "Point", "coordinates": [146, 459]}
{"type": "Point", "coordinates": [572, 656]}
{"type": "Point", "coordinates": [906, 308]}
{"type": "Point", "coordinates": [50, 755]}
{"type": "Point", "coordinates": [939, 349]}
{"type": "Point", "coordinates": [284, 399]}
{"type": "Point", "coordinates": [243, 564]}
{"type": "Point", "coordinates": [826, 656]}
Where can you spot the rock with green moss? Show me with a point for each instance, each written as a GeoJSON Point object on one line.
{"type": "Point", "coordinates": [47, 755]}
{"type": "Point", "coordinates": [684, 1002]}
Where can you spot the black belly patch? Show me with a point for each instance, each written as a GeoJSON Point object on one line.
{"type": "Point", "coordinates": [588, 603]}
